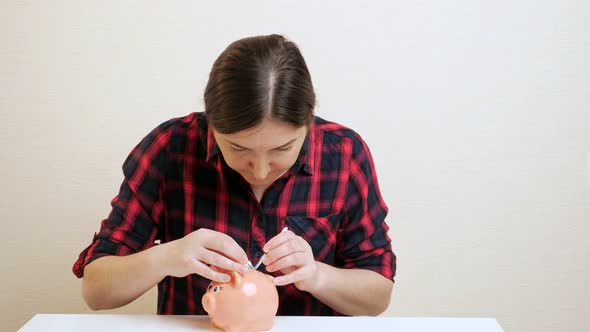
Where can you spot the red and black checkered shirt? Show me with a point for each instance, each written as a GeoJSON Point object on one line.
{"type": "Point", "coordinates": [176, 182]}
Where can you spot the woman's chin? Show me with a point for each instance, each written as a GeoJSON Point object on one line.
{"type": "Point", "coordinates": [258, 183]}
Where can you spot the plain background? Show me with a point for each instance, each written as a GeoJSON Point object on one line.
{"type": "Point", "coordinates": [476, 113]}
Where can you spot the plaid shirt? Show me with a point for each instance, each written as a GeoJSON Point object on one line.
{"type": "Point", "coordinates": [176, 181]}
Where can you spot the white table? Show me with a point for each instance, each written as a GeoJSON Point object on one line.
{"type": "Point", "coordinates": [148, 323]}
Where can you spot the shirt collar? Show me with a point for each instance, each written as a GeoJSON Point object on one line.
{"type": "Point", "coordinates": [212, 147]}
{"type": "Point", "coordinates": [305, 160]}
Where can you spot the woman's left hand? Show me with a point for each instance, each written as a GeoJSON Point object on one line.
{"type": "Point", "coordinates": [292, 255]}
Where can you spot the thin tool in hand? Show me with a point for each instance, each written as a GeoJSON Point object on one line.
{"type": "Point", "coordinates": [264, 255]}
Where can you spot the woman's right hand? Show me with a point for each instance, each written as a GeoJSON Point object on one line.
{"type": "Point", "coordinates": [202, 249]}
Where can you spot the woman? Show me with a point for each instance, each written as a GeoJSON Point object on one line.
{"type": "Point", "coordinates": [217, 188]}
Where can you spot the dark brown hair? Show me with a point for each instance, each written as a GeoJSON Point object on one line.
{"type": "Point", "coordinates": [255, 78]}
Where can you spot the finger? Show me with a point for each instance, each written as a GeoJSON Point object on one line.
{"type": "Point", "coordinates": [292, 277]}
{"type": "Point", "coordinates": [278, 240]}
{"type": "Point", "coordinates": [227, 246]}
{"type": "Point", "coordinates": [202, 269]}
{"type": "Point", "coordinates": [215, 259]}
{"type": "Point", "coordinates": [294, 260]}
{"type": "Point", "coordinates": [284, 249]}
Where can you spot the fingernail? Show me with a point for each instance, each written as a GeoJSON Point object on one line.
{"type": "Point", "coordinates": [277, 281]}
{"type": "Point", "coordinates": [225, 278]}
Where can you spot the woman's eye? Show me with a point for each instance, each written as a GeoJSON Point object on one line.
{"type": "Point", "coordinates": [234, 149]}
{"type": "Point", "coordinates": [285, 149]}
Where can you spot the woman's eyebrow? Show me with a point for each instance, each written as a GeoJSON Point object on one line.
{"type": "Point", "coordinates": [237, 145]}
{"type": "Point", "coordinates": [285, 145]}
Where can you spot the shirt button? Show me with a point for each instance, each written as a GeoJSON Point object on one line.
{"type": "Point", "coordinates": [258, 254]}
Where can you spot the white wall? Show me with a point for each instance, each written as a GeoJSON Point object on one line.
{"type": "Point", "coordinates": [476, 113]}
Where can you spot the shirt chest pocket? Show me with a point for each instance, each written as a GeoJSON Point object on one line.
{"type": "Point", "coordinates": [320, 232]}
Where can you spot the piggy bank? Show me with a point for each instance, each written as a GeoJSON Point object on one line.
{"type": "Point", "coordinates": [249, 302]}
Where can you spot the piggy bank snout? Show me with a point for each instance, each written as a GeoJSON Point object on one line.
{"type": "Point", "coordinates": [208, 303]}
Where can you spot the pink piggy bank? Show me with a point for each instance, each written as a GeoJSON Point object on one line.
{"type": "Point", "coordinates": [249, 302]}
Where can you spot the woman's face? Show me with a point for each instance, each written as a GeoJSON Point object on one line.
{"type": "Point", "coordinates": [263, 153]}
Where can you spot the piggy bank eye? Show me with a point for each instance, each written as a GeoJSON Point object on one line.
{"type": "Point", "coordinates": [209, 287]}
{"type": "Point", "coordinates": [215, 289]}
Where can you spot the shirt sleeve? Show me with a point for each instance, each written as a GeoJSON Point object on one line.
{"type": "Point", "coordinates": [138, 209]}
{"type": "Point", "coordinates": [364, 242]}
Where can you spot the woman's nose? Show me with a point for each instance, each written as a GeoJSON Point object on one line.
{"type": "Point", "coordinates": [260, 169]}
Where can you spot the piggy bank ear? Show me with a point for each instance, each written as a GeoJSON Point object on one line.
{"type": "Point", "coordinates": [218, 269]}
{"type": "Point", "coordinates": [237, 279]}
